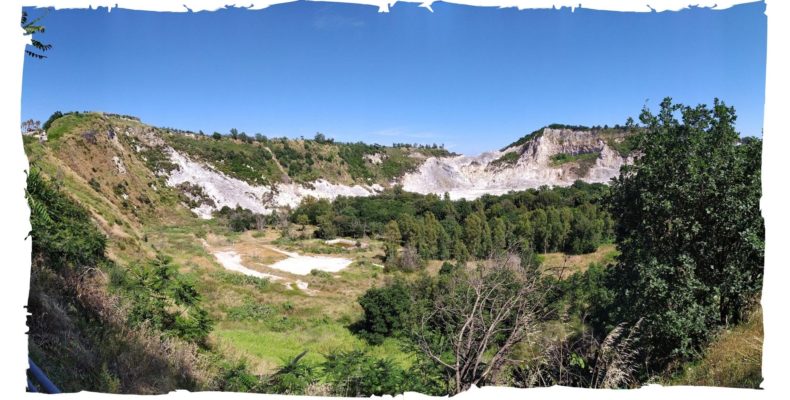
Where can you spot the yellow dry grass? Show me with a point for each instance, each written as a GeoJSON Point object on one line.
{"type": "Point", "coordinates": [563, 265]}
{"type": "Point", "coordinates": [733, 359]}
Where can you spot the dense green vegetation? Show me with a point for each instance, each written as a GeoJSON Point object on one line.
{"type": "Point", "coordinates": [249, 162]}
{"type": "Point", "coordinates": [524, 139]}
{"type": "Point", "coordinates": [262, 160]}
{"type": "Point", "coordinates": [569, 219]}
{"type": "Point", "coordinates": [582, 161]}
{"type": "Point", "coordinates": [689, 229]}
{"type": "Point", "coordinates": [89, 338]}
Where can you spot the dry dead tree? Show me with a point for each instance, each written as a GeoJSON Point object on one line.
{"type": "Point", "coordinates": [476, 318]}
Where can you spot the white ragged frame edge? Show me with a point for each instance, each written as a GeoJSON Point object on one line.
{"type": "Point", "coordinates": [14, 213]}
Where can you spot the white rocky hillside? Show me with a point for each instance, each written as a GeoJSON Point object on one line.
{"type": "Point", "coordinates": [531, 166]}
{"type": "Point", "coordinates": [219, 190]}
{"type": "Point", "coordinates": [588, 156]}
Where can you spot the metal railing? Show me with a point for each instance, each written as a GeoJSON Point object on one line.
{"type": "Point", "coordinates": [40, 380]}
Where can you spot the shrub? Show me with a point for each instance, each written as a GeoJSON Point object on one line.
{"type": "Point", "coordinates": [384, 311]}
{"type": "Point", "coordinates": [356, 374]}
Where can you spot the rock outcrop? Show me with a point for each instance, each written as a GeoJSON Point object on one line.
{"type": "Point", "coordinates": [532, 164]}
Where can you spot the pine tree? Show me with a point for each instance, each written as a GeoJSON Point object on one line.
{"type": "Point", "coordinates": [460, 252]}
{"type": "Point", "coordinates": [392, 241]}
{"type": "Point", "coordinates": [499, 233]}
{"type": "Point", "coordinates": [473, 234]}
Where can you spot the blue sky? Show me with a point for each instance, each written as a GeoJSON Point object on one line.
{"type": "Point", "coordinates": [472, 78]}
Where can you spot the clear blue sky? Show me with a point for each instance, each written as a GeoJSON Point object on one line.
{"type": "Point", "coordinates": [472, 78]}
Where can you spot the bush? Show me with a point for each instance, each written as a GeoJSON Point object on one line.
{"type": "Point", "coordinates": [293, 378]}
{"type": "Point", "coordinates": [356, 374]}
{"type": "Point", "coordinates": [384, 311]}
{"type": "Point", "coordinates": [236, 377]}
{"type": "Point", "coordinates": [166, 300]}
{"type": "Point", "coordinates": [51, 119]}
{"type": "Point", "coordinates": [62, 231]}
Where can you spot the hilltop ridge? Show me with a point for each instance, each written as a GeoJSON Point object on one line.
{"type": "Point", "coordinates": [143, 165]}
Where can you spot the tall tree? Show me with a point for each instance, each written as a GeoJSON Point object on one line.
{"type": "Point", "coordinates": [540, 229]}
{"type": "Point", "coordinates": [498, 235]}
{"type": "Point", "coordinates": [689, 228]}
{"type": "Point", "coordinates": [392, 240]}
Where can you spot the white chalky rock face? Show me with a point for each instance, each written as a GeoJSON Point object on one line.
{"type": "Point", "coordinates": [228, 191]}
{"type": "Point", "coordinates": [119, 165]}
{"type": "Point", "coordinates": [473, 176]}
{"type": "Point", "coordinates": [461, 176]}
{"type": "Point", "coordinates": [224, 190]}
{"type": "Point", "coordinates": [291, 194]}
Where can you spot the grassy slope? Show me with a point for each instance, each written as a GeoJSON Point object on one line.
{"type": "Point", "coordinates": [733, 359]}
{"type": "Point", "coordinates": [137, 230]}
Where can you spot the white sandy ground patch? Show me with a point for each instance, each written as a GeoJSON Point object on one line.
{"type": "Point", "coordinates": [302, 265]}
{"type": "Point", "coordinates": [232, 262]}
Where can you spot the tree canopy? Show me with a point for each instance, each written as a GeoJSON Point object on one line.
{"type": "Point", "coordinates": [689, 229]}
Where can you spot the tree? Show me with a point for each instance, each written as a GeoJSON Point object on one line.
{"type": "Point", "coordinates": [31, 28]}
{"type": "Point", "coordinates": [384, 311]}
{"type": "Point", "coordinates": [689, 229]}
{"type": "Point", "coordinates": [460, 252]}
{"type": "Point", "coordinates": [410, 259]}
{"type": "Point", "coordinates": [475, 319]}
{"type": "Point", "coordinates": [326, 226]}
{"type": "Point", "coordinates": [410, 229]}
{"type": "Point", "coordinates": [431, 235]}
{"type": "Point", "coordinates": [50, 120]}
{"type": "Point", "coordinates": [392, 240]}
{"type": "Point", "coordinates": [473, 235]}
{"type": "Point", "coordinates": [30, 126]}
{"type": "Point", "coordinates": [443, 244]}
{"type": "Point", "coordinates": [499, 234]}
{"type": "Point", "coordinates": [303, 220]}
{"type": "Point", "coordinates": [540, 228]}
{"type": "Point", "coordinates": [216, 136]}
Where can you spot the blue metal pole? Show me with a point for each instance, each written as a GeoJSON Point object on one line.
{"type": "Point", "coordinates": [41, 378]}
